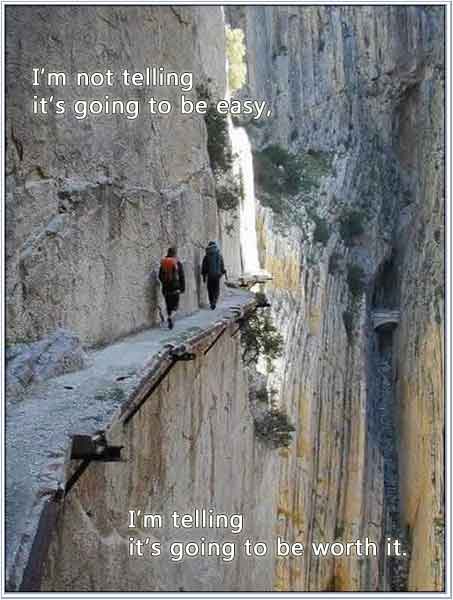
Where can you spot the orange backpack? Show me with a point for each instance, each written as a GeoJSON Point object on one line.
{"type": "Point", "coordinates": [170, 277]}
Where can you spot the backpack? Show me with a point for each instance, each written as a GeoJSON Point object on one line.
{"type": "Point", "coordinates": [213, 261]}
{"type": "Point", "coordinates": [169, 273]}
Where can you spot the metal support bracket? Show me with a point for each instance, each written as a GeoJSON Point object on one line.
{"type": "Point", "coordinates": [94, 448]}
{"type": "Point", "coordinates": [156, 384]}
{"type": "Point", "coordinates": [214, 342]}
{"type": "Point", "coordinates": [184, 356]}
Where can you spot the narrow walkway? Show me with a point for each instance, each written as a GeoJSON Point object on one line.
{"type": "Point", "coordinates": [385, 318]}
{"type": "Point", "coordinates": [38, 429]}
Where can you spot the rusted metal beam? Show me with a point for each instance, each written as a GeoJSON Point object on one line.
{"type": "Point", "coordinates": [144, 396]}
{"type": "Point", "coordinates": [216, 339]}
{"type": "Point", "coordinates": [183, 354]}
{"type": "Point", "coordinates": [76, 476]}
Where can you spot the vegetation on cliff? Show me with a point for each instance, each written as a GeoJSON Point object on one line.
{"type": "Point", "coordinates": [229, 188]}
{"type": "Point", "coordinates": [261, 339]}
{"type": "Point", "coordinates": [352, 224]}
{"type": "Point", "coordinates": [287, 184]}
{"type": "Point", "coordinates": [278, 171]}
{"type": "Point", "coordinates": [275, 428]}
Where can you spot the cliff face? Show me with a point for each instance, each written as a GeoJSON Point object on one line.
{"type": "Point", "coordinates": [365, 86]}
{"type": "Point", "coordinates": [90, 201]}
{"type": "Point", "coordinates": [419, 349]}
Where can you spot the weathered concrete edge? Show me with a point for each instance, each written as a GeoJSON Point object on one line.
{"type": "Point", "coordinates": [26, 571]}
{"type": "Point", "coordinates": [195, 344]}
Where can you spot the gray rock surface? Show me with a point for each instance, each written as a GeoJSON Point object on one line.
{"type": "Point", "coordinates": [59, 353]}
{"type": "Point", "coordinates": [93, 204]}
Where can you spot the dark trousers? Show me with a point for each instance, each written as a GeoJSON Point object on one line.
{"type": "Point", "coordinates": [171, 302]}
{"type": "Point", "coordinates": [213, 289]}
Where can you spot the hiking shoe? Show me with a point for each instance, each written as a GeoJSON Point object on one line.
{"type": "Point", "coordinates": [212, 306]}
{"type": "Point", "coordinates": [170, 323]}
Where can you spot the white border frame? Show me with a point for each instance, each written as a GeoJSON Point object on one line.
{"type": "Point", "coordinates": [448, 317]}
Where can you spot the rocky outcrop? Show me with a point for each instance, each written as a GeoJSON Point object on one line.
{"type": "Point", "coordinates": [59, 353]}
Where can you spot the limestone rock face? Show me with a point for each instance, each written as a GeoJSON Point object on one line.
{"type": "Point", "coordinates": [419, 351]}
{"type": "Point", "coordinates": [365, 86]}
{"type": "Point", "coordinates": [93, 204]}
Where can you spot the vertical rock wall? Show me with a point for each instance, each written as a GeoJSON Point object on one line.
{"type": "Point", "coordinates": [364, 84]}
{"type": "Point", "coordinates": [419, 352]}
{"type": "Point", "coordinates": [93, 204]}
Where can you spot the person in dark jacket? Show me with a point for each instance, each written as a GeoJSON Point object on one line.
{"type": "Point", "coordinates": [171, 276]}
{"type": "Point", "coordinates": [212, 270]}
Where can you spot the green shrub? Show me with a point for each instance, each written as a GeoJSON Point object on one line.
{"type": "Point", "coordinates": [260, 338]}
{"type": "Point", "coordinates": [203, 91]}
{"type": "Point", "coordinates": [274, 427]}
{"type": "Point", "coordinates": [235, 51]}
{"type": "Point", "coordinates": [352, 224]}
{"type": "Point", "coordinates": [219, 150]}
{"type": "Point", "coordinates": [321, 233]}
{"type": "Point", "coordinates": [261, 299]}
{"type": "Point", "coordinates": [356, 280]}
{"type": "Point", "coordinates": [229, 187]}
{"type": "Point", "coordinates": [439, 525]}
{"type": "Point", "coordinates": [218, 145]}
{"type": "Point", "coordinates": [261, 395]}
{"type": "Point", "coordinates": [277, 171]}
{"type": "Point", "coordinates": [228, 190]}
{"type": "Point", "coordinates": [314, 165]}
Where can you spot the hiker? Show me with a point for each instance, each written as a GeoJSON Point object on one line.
{"type": "Point", "coordinates": [171, 276]}
{"type": "Point", "coordinates": [212, 269]}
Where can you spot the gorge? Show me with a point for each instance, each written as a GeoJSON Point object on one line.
{"type": "Point", "coordinates": [338, 219]}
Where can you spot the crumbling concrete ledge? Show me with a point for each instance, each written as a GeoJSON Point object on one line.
{"type": "Point", "coordinates": [107, 393]}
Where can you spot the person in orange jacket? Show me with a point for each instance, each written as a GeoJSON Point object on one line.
{"type": "Point", "coordinates": [171, 276]}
